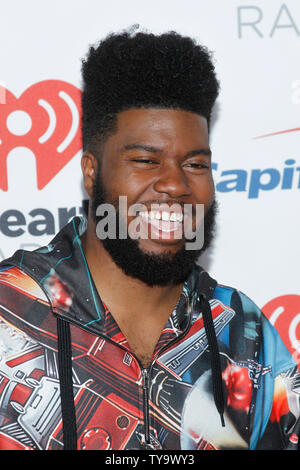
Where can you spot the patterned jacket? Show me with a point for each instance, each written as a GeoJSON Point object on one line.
{"type": "Point", "coordinates": [68, 378]}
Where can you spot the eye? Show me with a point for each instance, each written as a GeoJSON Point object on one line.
{"type": "Point", "coordinates": [143, 160]}
{"type": "Point", "coordinates": [197, 165]}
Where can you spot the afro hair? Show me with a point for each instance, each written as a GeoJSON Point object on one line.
{"type": "Point", "coordinates": [143, 70]}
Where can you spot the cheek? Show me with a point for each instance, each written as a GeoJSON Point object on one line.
{"type": "Point", "coordinates": [211, 186]}
{"type": "Point", "coordinates": [122, 187]}
{"type": "Point", "coordinates": [128, 184]}
{"type": "Point", "coordinates": [204, 191]}
{"type": "Point", "coordinates": [115, 182]}
{"type": "Point", "coordinates": [123, 193]}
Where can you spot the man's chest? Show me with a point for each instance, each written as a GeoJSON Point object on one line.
{"type": "Point", "coordinates": [143, 339]}
{"type": "Point", "coordinates": [142, 342]}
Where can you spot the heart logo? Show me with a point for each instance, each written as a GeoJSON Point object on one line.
{"type": "Point", "coordinates": [45, 119]}
{"type": "Point", "coordinates": [284, 313]}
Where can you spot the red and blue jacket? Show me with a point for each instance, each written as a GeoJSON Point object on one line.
{"type": "Point", "coordinates": [220, 376]}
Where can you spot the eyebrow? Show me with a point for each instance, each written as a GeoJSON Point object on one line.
{"type": "Point", "coordinates": [148, 148]}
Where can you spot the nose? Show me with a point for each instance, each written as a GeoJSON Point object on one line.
{"type": "Point", "coordinates": [172, 181]}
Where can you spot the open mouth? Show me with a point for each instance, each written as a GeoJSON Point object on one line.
{"type": "Point", "coordinates": [162, 224]}
{"type": "Point", "coordinates": [165, 220]}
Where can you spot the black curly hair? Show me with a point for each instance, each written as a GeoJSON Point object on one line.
{"type": "Point", "coordinates": [143, 70]}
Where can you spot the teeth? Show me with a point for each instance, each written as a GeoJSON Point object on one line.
{"type": "Point", "coordinates": [164, 215]}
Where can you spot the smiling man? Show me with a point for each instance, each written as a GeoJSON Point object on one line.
{"type": "Point", "coordinates": [112, 336]}
{"type": "Point", "coordinates": [160, 159]}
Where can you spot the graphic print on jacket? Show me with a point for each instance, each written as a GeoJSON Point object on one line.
{"type": "Point", "coordinates": [118, 403]}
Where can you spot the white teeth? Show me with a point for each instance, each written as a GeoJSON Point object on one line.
{"type": "Point", "coordinates": [164, 215]}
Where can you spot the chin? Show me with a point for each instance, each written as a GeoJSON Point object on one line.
{"type": "Point", "coordinates": [167, 247]}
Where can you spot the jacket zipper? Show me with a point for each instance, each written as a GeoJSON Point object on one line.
{"type": "Point", "coordinates": [145, 384]}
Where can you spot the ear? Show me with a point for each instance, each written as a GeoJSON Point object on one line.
{"type": "Point", "coordinates": [89, 165]}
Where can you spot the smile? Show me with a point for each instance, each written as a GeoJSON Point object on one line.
{"type": "Point", "coordinates": [162, 215]}
{"type": "Point", "coordinates": [163, 223]}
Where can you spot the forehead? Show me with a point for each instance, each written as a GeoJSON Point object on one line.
{"type": "Point", "coordinates": [163, 128]}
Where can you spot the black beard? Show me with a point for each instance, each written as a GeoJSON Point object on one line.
{"type": "Point", "coordinates": [151, 268]}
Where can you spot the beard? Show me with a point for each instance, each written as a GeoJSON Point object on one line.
{"type": "Point", "coordinates": [153, 269]}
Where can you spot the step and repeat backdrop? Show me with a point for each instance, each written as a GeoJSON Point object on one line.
{"type": "Point", "coordinates": [255, 134]}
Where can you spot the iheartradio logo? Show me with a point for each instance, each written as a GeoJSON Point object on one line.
{"type": "Point", "coordinates": [284, 313]}
{"type": "Point", "coordinates": [46, 119]}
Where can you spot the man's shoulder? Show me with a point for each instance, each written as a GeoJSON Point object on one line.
{"type": "Point", "coordinates": [251, 324]}
{"type": "Point", "coordinates": [229, 295]}
{"type": "Point", "coordinates": [23, 303]}
{"type": "Point", "coordinates": [14, 280]}
{"type": "Point", "coordinates": [232, 297]}
{"type": "Point", "coordinates": [245, 308]}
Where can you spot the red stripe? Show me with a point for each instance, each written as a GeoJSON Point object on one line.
{"type": "Point", "coordinates": [25, 358]}
{"type": "Point", "coordinates": [277, 133]}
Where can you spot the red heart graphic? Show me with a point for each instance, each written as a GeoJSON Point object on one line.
{"type": "Point", "coordinates": [54, 137]}
{"type": "Point", "coordinates": [284, 314]}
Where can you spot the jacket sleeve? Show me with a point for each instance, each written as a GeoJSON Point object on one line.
{"type": "Point", "coordinates": [283, 425]}
{"type": "Point", "coordinates": [277, 408]}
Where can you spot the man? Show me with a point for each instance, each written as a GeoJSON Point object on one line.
{"type": "Point", "coordinates": [111, 336]}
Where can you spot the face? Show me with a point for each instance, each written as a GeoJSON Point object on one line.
{"type": "Point", "coordinates": [157, 157]}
